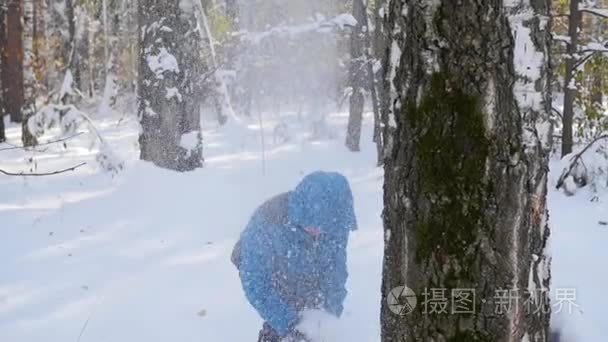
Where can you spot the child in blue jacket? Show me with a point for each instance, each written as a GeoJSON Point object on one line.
{"type": "Point", "coordinates": [292, 254]}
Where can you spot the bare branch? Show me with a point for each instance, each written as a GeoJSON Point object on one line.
{"type": "Point", "coordinates": [574, 160]}
{"type": "Point", "coordinates": [15, 147]}
{"type": "Point", "coordinates": [584, 59]}
{"type": "Point", "coordinates": [595, 11]}
{"type": "Point", "coordinates": [557, 112]}
{"type": "Point", "coordinates": [42, 174]}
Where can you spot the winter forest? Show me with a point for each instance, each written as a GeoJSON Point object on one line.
{"type": "Point", "coordinates": [303, 170]}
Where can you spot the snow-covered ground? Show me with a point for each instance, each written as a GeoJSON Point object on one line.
{"type": "Point", "coordinates": [144, 255]}
{"type": "Point", "coordinates": [579, 248]}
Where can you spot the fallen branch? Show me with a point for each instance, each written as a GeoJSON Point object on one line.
{"type": "Point", "coordinates": [16, 147]}
{"type": "Point", "coordinates": [575, 159]}
{"type": "Point", "coordinates": [42, 174]}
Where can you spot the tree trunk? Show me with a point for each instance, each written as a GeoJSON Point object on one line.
{"type": "Point", "coordinates": [2, 48]}
{"type": "Point", "coordinates": [574, 23]}
{"type": "Point", "coordinates": [466, 174]}
{"type": "Point", "coordinates": [73, 47]}
{"type": "Point", "coordinates": [29, 78]}
{"type": "Point", "coordinates": [168, 110]}
{"type": "Point", "coordinates": [385, 90]}
{"type": "Point", "coordinates": [371, 49]}
{"type": "Point", "coordinates": [357, 77]}
{"type": "Point", "coordinates": [13, 72]}
{"type": "Point", "coordinates": [597, 91]}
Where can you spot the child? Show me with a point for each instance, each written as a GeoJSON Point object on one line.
{"type": "Point", "coordinates": [292, 254]}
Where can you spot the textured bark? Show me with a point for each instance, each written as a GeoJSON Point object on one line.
{"type": "Point", "coordinates": [168, 108]}
{"type": "Point", "coordinates": [29, 78]}
{"type": "Point", "coordinates": [381, 96]}
{"type": "Point", "coordinates": [357, 77]}
{"type": "Point", "coordinates": [466, 170]}
{"type": "Point", "coordinates": [2, 47]}
{"type": "Point", "coordinates": [574, 24]}
{"type": "Point", "coordinates": [386, 93]}
{"type": "Point", "coordinates": [13, 72]}
{"type": "Point", "coordinates": [56, 30]}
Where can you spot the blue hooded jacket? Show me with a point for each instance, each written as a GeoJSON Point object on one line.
{"type": "Point", "coordinates": [282, 268]}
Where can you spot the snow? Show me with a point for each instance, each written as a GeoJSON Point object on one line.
{"type": "Point", "coordinates": [190, 140]}
{"type": "Point", "coordinates": [578, 242]}
{"type": "Point", "coordinates": [344, 20]}
{"type": "Point", "coordinates": [143, 255]}
{"type": "Point", "coordinates": [527, 59]}
{"type": "Point", "coordinates": [161, 62]}
{"type": "Point", "coordinates": [319, 25]}
{"type": "Point", "coordinates": [395, 58]}
{"type": "Point", "coordinates": [67, 85]}
{"type": "Point", "coordinates": [173, 92]}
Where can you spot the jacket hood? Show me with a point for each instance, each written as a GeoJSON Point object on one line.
{"type": "Point", "coordinates": [324, 200]}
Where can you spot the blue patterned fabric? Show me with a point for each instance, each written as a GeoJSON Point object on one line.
{"type": "Point", "coordinates": [283, 269]}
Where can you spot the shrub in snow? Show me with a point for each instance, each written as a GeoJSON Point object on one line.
{"type": "Point", "coordinates": [585, 167]}
{"type": "Point", "coordinates": [70, 119]}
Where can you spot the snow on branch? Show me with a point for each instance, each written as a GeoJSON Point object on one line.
{"type": "Point", "coordinates": [70, 119]}
{"type": "Point", "coordinates": [7, 173]}
{"type": "Point", "coordinates": [588, 166]}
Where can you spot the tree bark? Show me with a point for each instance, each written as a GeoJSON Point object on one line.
{"type": "Point", "coordinates": [29, 79]}
{"type": "Point", "coordinates": [73, 46]}
{"type": "Point", "coordinates": [2, 59]}
{"type": "Point", "coordinates": [13, 73]}
{"type": "Point", "coordinates": [168, 109]}
{"type": "Point", "coordinates": [574, 23]}
{"type": "Point", "coordinates": [357, 77]}
{"type": "Point", "coordinates": [386, 92]}
{"type": "Point", "coordinates": [466, 172]}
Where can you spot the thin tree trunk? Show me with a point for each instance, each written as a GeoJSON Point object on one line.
{"type": "Point", "coordinates": [574, 23]}
{"type": "Point", "coordinates": [357, 77]}
{"type": "Point", "coordinates": [385, 90]}
{"type": "Point", "coordinates": [597, 91]}
{"type": "Point", "coordinates": [372, 75]}
{"type": "Point", "coordinates": [73, 48]}
{"type": "Point", "coordinates": [466, 174]}
{"type": "Point", "coordinates": [2, 61]}
{"type": "Point", "coordinates": [111, 70]}
{"type": "Point", "coordinates": [29, 78]}
{"type": "Point", "coordinates": [13, 75]}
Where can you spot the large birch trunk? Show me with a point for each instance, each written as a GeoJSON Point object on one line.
{"type": "Point", "coordinates": [466, 170]}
